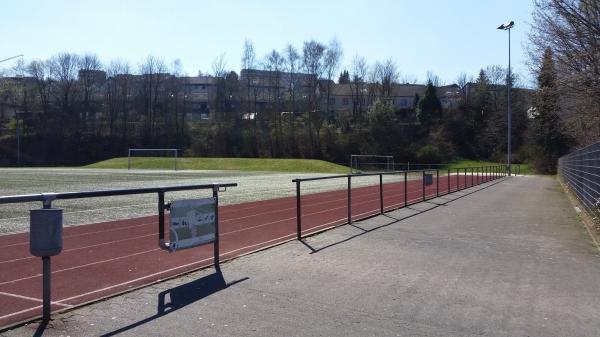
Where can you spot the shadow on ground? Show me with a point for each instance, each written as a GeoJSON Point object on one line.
{"type": "Point", "coordinates": [176, 298]}
{"type": "Point", "coordinates": [430, 205]}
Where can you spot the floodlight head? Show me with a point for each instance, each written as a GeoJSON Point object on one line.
{"type": "Point", "coordinates": [506, 26]}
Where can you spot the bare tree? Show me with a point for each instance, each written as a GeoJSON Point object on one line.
{"type": "Point", "coordinates": [312, 61]}
{"type": "Point", "coordinates": [63, 70]}
{"type": "Point", "coordinates": [332, 59]}
{"type": "Point", "coordinates": [88, 64]}
{"type": "Point", "coordinates": [360, 69]}
{"type": "Point", "coordinates": [153, 74]}
{"type": "Point", "coordinates": [571, 29]}
{"type": "Point", "coordinates": [219, 66]}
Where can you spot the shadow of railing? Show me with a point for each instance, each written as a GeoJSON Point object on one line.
{"type": "Point", "coordinates": [182, 296]}
{"type": "Point", "coordinates": [435, 205]}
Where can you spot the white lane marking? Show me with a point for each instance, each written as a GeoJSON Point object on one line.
{"type": "Point", "coordinates": [167, 270]}
{"type": "Point", "coordinates": [84, 247]}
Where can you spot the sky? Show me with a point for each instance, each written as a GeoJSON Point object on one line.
{"type": "Point", "coordinates": [443, 37]}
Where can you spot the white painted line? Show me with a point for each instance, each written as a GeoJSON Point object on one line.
{"type": "Point", "coordinates": [166, 271]}
{"type": "Point", "coordinates": [32, 299]}
{"type": "Point", "coordinates": [79, 248]}
{"type": "Point", "coordinates": [82, 266]}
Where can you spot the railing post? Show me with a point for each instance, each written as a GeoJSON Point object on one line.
{"type": "Point", "coordinates": [405, 188]}
{"type": "Point", "coordinates": [46, 287]}
{"type": "Point", "coordinates": [423, 184]}
{"type": "Point", "coordinates": [161, 217]}
{"type": "Point", "coordinates": [437, 182]}
{"type": "Point", "coordinates": [457, 179]}
{"type": "Point", "coordinates": [298, 212]}
{"type": "Point", "coordinates": [381, 193]}
{"type": "Point", "coordinates": [448, 177]}
{"type": "Point", "coordinates": [349, 199]}
{"type": "Point", "coordinates": [216, 243]}
{"type": "Point", "coordinates": [466, 177]}
{"type": "Point", "coordinates": [472, 170]}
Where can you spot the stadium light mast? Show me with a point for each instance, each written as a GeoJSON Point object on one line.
{"type": "Point", "coordinates": [508, 26]}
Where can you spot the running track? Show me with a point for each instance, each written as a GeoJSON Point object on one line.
{"type": "Point", "coordinates": [103, 259]}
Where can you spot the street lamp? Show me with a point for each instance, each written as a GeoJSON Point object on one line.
{"type": "Point", "coordinates": [508, 26]}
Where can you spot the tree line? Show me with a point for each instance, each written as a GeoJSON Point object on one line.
{"type": "Point", "coordinates": [69, 119]}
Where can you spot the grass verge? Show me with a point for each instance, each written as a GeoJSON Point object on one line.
{"type": "Point", "coordinates": [239, 164]}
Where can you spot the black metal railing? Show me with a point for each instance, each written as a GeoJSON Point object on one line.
{"type": "Point", "coordinates": [457, 179]}
{"type": "Point", "coordinates": [48, 198]}
{"type": "Point", "coordinates": [580, 171]}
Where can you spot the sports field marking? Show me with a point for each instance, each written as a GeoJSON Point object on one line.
{"type": "Point", "coordinates": [173, 269]}
{"type": "Point", "coordinates": [32, 299]}
{"type": "Point", "coordinates": [83, 265]}
{"type": "Point", "coordinates": [89, 233]}
{"type": "Point", "coordinates": [84, 247]}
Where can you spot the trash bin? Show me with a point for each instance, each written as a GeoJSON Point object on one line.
{"type": "Point", "coordinates": [45, 231]}
{"type": "Point", "coordinates": [428, 177]}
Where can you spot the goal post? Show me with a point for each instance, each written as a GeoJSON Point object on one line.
{"type": "Point", "coordinates": [149, 158]}
{"type": "Point", "coordinates": [371, 163]}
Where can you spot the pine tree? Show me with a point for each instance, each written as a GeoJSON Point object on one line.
{"type": "Point", "coordinates": [429, 108]}
{"type": "Point", "coordinates": [344, 77]}
{"type": "Point", "coordinates": [547, 141]}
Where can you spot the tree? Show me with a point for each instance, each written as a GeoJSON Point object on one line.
{"type": "Point", "coordinates": [312, 61]}
{"type": "Point", "coordinates": [571, 29]}
{"type": "Point", "coordinates": [331, 62]}
{"type": "Point", "coordinates": [344, 77]}
{"type": "Point", "coordinates": [430, 107]}
{"type": "Point", "coordinates": [360, 69]}
{"type": "Point", "coordinates": [547, 141]}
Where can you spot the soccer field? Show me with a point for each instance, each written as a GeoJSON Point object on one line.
{"type": "Point", "coordinates": [252, 186]}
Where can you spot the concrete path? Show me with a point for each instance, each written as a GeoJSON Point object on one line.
{"type": "Point", "coordinates": [508, 258]}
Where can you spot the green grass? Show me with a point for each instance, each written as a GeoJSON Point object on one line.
{"type": "Point", "coordinates": [525, 169]}
{"type": "Point", "coordinates": [239, 164]}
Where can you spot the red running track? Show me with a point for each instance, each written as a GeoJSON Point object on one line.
{"type": "Point", "coordinates": [103, 259]}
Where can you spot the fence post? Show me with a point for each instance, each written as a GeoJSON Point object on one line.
{"type": "Point", "coordinates": [405, 188]}
{"type": "Point", "coordinates": [466, 177]}
{"type": "Point", "coordinates": [437, 182]}
{"type": "Point", "coordinates": [472, 170]}
{"type": "Point", "coordinates": [349, 199]}
{"type": "Point", "coordinates": [381, 193]}
{"type": "Point", "coordinates": [298, 212]}
{"type": "Point", "coordinates": [216, 243]}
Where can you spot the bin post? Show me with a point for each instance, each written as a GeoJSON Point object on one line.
{"type": "Point", "coordinates": [457, 179]}
{"type": "Point", "coordinates": [448, 177]}
{"type": "Point", "coordinates": [216, 243]}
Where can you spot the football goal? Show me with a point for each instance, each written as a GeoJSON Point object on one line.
{"type": "Point", "coordinates": [360, 163]}
{"type": "Point", "coordinates": [160, 159]}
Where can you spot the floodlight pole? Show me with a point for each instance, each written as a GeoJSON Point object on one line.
{"type": "Point", "coordinates": [508, 27]}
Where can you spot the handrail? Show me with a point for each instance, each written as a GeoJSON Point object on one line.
{"type": "Point", "coordinates": [482, 174]}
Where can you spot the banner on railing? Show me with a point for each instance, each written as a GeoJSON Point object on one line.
{"type": "Point", "coordinates": [192, 223]}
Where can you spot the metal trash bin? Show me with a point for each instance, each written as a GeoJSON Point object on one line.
{"type": "Point", "coordinates": [428, 178]}
{"type": "Point", "coordinates": [45, 231]}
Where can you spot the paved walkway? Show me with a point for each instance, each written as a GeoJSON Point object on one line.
{"type": "Point", "coordinates": [508, 258]}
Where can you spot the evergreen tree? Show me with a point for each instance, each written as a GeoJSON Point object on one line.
{"type": "Point", "coordinates": [547, 140]}
{"type": "Point", "coordinates": [344, 77]}
{"type": "Point", "coordinates": [429, 108]}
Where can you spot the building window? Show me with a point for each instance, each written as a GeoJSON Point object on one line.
{"type": "Point", "coordinates": [332, 101]}
{"type": "Point", "coordinates": [345, 101]}
{"type": "Point", "coordinates": [404, 102]}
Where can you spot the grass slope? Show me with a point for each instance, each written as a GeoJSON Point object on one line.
{"type": "Point", "coordinates": [475, 163]}
{"type": "Point", "coordinates": [240, 164]}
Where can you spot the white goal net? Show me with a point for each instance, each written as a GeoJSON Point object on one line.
{"type": "Point", "coordinates": [360, 163]}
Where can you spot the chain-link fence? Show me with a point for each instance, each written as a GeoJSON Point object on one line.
{"type": "Point", "coordinates": [580, 171]}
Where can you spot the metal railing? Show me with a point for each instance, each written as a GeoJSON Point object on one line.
{"type": "Point", "coordinates": [48, 198]}
{"type": "Point", "coordinates": [459, 176]}
{"type": "Point", "coordinates": [580, 171]}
